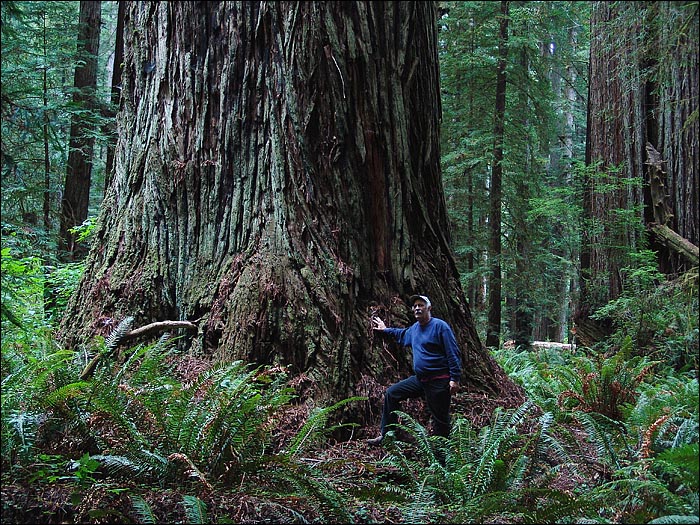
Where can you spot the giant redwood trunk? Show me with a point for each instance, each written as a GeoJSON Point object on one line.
{"type": "Point", "coordinates": [277, 181]}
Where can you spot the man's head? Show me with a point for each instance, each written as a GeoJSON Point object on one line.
{"type": "Point", "coordinates": [420, 305]}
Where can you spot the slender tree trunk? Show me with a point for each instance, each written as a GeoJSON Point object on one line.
{"type": "Point", "coordinates": [473, 256]}
{"type": "Point", "coordinates": [569, 285]}
{"type": "Point", "coordinates": [495, 195]}
{"type": "Point", "coordinates": [76, 194]}
{"type": "Point", "coordinates": [522, 307]}
{"type": "Point", "coordinates": [569, 288]}
{"type": "Point", "coordinates": [473, 291]}
{"type": "Point", "coordinates": [45, 136]}
{"type": "Point", "coordinates": [116, 88]}
{"type": "Point", "coordinates": [277, 182]}
{"type": "Point", "coordinates": [48, 295]}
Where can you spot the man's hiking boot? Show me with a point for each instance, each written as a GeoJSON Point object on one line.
{"type": "Point", "coordinates": [375, 441]}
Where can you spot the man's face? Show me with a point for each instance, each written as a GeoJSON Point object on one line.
{"type": "Point", "coordinates": [421, 311]}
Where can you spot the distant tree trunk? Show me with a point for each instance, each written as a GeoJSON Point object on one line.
{"type": "Point", "coordinates": [474, 291]}
{"type": "Point", "coordinates": [76, 194]}
{"type": "Point", "coordinates": [115, 87]}
{"type": "Point", "coordinates": [522, 306]}
{"type": "Point", "coordinates": [569, 284]}
{"type": "Point", "coordinates": [277, 182]}
{"type": "Point", "coordinates": [555, 327]}
{"type": "Point", "coordinates": [47, 292]}
{"type": "Point", "coordinates": [495, 195]}
{"type": "Point", "coordinates": [627, 110]}
{"type": "Point", "coordinates": [45, 133]}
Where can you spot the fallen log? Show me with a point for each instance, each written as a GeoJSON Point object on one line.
{"type": "Point", "coordinates": [159, 326]}
{"type": "Point", "coordinates": [675, 242]}
{"type": "Point", "coordinates": [543, 345]}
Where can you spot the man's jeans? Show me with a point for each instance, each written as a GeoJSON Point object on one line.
{"type": "Point", "coordinates": [437, 397]}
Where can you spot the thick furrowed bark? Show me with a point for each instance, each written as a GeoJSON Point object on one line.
{"type": "Point", "coordinates": [278, 180]}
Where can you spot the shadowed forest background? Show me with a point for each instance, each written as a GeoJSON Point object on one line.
{"type": "Point", "coordinates": [203, 203]}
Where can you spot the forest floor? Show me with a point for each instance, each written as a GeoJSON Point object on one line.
{"type": "Point", "coordinates": [110, 501]}
{"type": "Point", "coordinates": [351, 466]}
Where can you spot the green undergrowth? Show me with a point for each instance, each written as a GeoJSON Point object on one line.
{"type": "Point", "coordinates": [604, 439]}
{"type": "Point", "coordinates": [607, 435]}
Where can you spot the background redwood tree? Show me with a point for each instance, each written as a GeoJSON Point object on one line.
{"type": "Point", "coordinates": [277, 181]}
{"type": "Point", "coordinates": [76, 194]}
{"type": "Point", "coordinates": [642, 147]}
{"type": "Point", "coordinates": [495, 189]}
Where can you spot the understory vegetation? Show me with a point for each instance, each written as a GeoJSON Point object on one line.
{"type": "Point", "coordinates": [156, 434]}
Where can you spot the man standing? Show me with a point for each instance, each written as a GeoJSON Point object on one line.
{"type": "Point", "coordinates": [437, 367]}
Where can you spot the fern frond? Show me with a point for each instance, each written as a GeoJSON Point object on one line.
{"type": "Point", "coordinates": [163, 341]}
{"type": "Point", "coordinates": [25, 390]}
{"type": "Point", "coordinates": [463, 440]}
{"type": "Point", "coordinates": [114, 406]}
{"type": "Point", "coordinates": [297, 479]}
{"type": "Point", "coordinates": [314, 425]}
{"type": "Point", "coordinates": [424, 444]}
{"type": "Point", "coordinates": [686, 433]}
{"type": "Point", "coordinates": [601, 436]}
{"type": "Point", "coordinates": [136, 353]}
{"type": "Point", "coordinates": [19, 433]}
{"type": "Point", "coordinates": [232, 415]}
{"type": "Point", "coordinates": [681, 465]}
{"type": "Point", "coordinates": [553, 506]}
{"type": "Point", "coordinates": [123, 328]}
{"type": "Point", "coordinates": [493, 439]}
{"type": "Point", "coordinates": [381, 492]}
{"type": "Point", "coordinates": [419, 510]}
{"type": "Point", "coordinates": [195, 509]}
{"type": "Point", "coordinates": [676, 397]}
{"type": "Point", "coordinates": [647, 494]}
{"type": "Point", "coordinates": [515, 478]}
{"type": "Point", "coordinates": [141, 464]}
{"type": "Point", "coordinates": [143, 509]}
{"type": "Point", "coordinates": [43, 374]}
{"type": "Point", "coordinates": [65, 392]}
{"type": "Point", "coordinates": [110, 345]}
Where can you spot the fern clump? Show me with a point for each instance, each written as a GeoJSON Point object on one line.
{"type": "Point", "coordinates": [483, 474]}
{"type": "Point", "coordinates": [219, 422]}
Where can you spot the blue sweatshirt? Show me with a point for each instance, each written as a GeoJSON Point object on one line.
{"type": "Point", "coordinates": [435, 350]}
